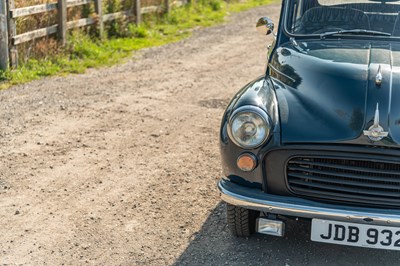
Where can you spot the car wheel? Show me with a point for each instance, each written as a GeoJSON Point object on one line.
{"type": "Point", "coordinates": [241, 221]}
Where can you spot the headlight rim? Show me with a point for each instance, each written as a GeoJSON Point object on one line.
{"type": "Point", "coordinates": [253, 109]}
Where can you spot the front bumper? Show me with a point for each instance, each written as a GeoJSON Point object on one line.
{"type": "Point", "coordinates": [255, 199]}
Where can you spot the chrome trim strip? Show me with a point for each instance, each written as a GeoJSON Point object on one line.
{"type": "Point", "coordinates": [257, 200]}
{"type": "Point", "coordinates": [282, 74]}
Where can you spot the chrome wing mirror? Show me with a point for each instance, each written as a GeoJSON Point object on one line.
{"type": "Point", "coordinates": [265, 26]}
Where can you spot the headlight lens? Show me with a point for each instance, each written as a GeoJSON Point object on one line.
{"type": "Point", "coordinates": [250, 128]}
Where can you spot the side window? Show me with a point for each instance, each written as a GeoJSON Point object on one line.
{"type": "Point", "coordinates": [297, 14]}
{"type": "Point", "coordinates": [298, 9]}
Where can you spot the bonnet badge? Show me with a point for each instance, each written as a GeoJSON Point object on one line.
{"type": "Point", "coordinates": [379, 77]}
{"type": "Point", "coordinates": [375, 132]}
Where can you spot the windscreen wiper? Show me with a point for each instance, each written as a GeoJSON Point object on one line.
{"type": "Point", "coordinates": [355, 31]}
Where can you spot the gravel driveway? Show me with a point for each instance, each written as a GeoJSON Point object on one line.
{"type": "Point", "coordinates": [119, 166]}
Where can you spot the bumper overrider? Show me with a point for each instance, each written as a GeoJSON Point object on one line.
{"type": "Point", "coordinates": [256, 199]}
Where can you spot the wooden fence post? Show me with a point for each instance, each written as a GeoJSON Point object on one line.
{"type": "Point", "coordinates": [99, 11]}
{"type": "Point", "coordinates": [167, 6]}
{"type": "Point", "coordinates": [11, 33]}
{"type": "Point", "coordinates": [4, 56]}
{"type": "Point", "coordinates": [138, 13]}
{"type": "Point", "coordinates": [62, 21]}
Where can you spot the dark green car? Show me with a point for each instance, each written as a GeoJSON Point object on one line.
{"type": "Point", "coordinates": [318, 136]}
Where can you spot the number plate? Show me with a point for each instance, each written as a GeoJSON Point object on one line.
{"type": "Point", "coordinates": [351, 234]}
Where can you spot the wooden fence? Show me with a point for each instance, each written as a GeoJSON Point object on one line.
{"type": "Point", "coordinates": [9, 38]}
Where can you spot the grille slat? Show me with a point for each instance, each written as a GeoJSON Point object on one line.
{"type": "Point", "coordinates": [366, 178]}
{"type": "Point", "coordinates": [333, 195]}
{"type": "Point", "coordinates": [342, 189]}
{"type": "Point", "coordinates": [344, 182]}
{"type": "Point", "coordinates": [345, 167]}
{"type": "Point", "coordinates": [358, 180]}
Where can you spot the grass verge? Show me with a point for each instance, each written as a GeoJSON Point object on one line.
{"type": "Point", "coordinates": [84, 52]}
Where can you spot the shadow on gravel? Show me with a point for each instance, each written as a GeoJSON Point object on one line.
{"type": "Point", "coordinates": [213, 245]}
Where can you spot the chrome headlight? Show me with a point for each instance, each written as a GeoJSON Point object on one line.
{"type": "Point", "coordinates": [249, 127]}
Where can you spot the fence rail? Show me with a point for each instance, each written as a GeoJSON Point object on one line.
{"type": "Point", "coordinates": [9, 39]}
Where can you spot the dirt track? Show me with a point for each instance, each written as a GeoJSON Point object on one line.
{"type": "Point", "coordinates": [119, 166]}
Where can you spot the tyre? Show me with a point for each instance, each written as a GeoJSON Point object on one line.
{"type": "Point", "coordinates": [241, 222]}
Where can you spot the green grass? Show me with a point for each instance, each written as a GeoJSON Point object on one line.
{"type": "Point", "coordinates": [84, 52]}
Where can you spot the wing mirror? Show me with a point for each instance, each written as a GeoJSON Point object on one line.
{"type": "Point", "coordinates": [265, 25]}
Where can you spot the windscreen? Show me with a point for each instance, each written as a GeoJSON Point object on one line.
{"type": "Point", "coordinates": [376, 18]}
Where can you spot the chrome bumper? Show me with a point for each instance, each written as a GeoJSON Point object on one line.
{"type": "Point", "coordinates": [257, 200]}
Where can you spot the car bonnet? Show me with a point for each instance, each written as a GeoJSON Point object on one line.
{"type": "Point", "coordinates": [328, 90]}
